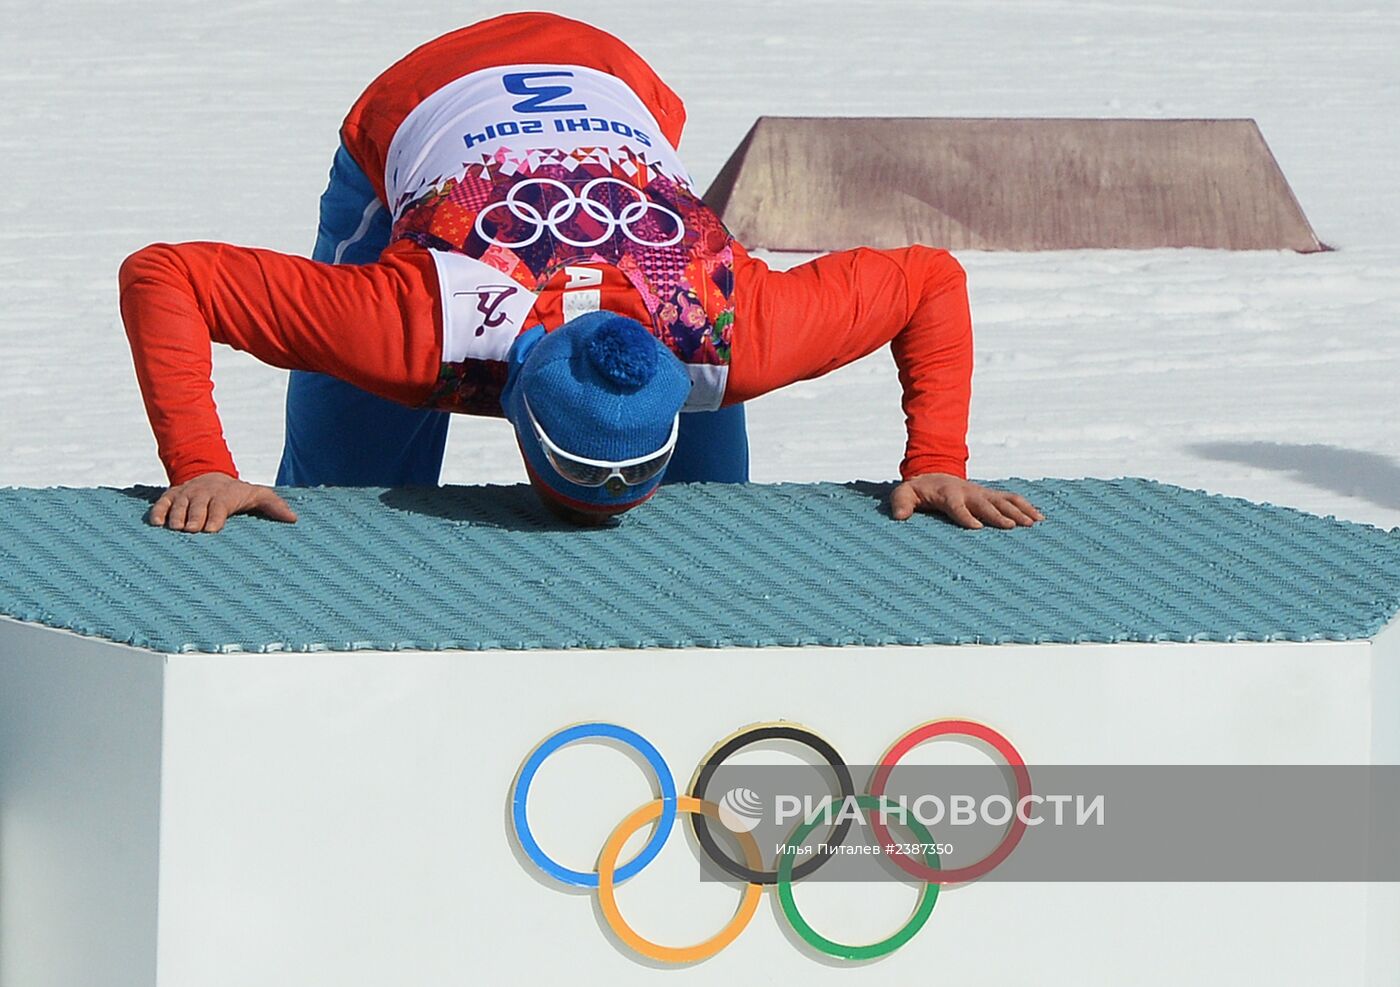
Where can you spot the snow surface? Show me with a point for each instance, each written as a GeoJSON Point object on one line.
{"type": "Point", "coordinates": [1265, 375]}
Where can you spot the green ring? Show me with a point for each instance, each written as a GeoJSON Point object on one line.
{"type": "Point", "coordinates": [928, 896]}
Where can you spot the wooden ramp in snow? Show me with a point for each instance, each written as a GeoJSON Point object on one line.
{"type": "Point", "coordinates": [813, 183]}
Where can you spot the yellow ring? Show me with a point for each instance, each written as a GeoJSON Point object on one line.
{"type": "Point", "coordinates": [607, 900]}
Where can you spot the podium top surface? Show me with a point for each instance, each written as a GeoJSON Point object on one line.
{"type": "Point", "coordinates": [702, 565]}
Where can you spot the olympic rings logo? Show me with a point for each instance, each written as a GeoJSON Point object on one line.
{"type": "Point", "coordinates": [663, 811]}
{"type": "Point", "coordinates": [567, 210]}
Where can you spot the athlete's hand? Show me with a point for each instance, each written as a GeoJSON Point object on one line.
{"type": "Point", "coordinates": [962, 502]}
{"type": "Point", "coordinates": [206, 502]}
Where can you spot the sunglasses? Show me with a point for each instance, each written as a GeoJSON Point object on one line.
{"type": "Point", "coordinates": [598, 473]}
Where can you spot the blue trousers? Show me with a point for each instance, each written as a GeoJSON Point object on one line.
{"type": "Point", "coordinates": [339, 435]}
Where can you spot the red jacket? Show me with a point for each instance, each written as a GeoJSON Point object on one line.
{"type": "Point", "coordinates": [387, 327]}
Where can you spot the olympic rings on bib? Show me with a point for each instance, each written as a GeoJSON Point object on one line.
{"type": "Point", "coordinates": [725, 749]}
{"type": "Point", "coordinates": [928, 893]}
{"type": "Point", "coordinates": [663, 811]}
{"type": "Point", "coordinates": [951, 728]}
{"type": "Point", "coordinates": [592, 731]}
{"type": "Point", "coordinates": [566, 211]}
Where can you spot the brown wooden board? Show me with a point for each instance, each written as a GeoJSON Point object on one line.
{"type": "Point", "coordinates": [813, 183]}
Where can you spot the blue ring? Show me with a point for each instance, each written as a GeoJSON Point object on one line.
{"type": "Point", "coordinates": [586, 731]}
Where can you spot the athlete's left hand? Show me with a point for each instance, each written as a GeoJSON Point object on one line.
{"type": "Point", "coordinates": [962, 502]}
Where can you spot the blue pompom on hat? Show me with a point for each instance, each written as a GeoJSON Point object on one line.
{"type": "Point", "coordinates": [602, 387]}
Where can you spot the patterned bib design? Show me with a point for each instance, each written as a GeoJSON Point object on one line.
{"type": "Point", "coordinates": [530, 214]}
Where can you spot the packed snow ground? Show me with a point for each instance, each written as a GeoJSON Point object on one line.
{"type": "Point", "coordinates": [1271, 376]}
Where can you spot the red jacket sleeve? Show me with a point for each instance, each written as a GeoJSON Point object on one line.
{"type": "Point", "coordinates": [377, 326]}
{"type": "Point", "coordinates": [803, 323]}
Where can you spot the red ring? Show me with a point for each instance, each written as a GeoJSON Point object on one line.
{"type": "Point", "coordinates": [914, 738]}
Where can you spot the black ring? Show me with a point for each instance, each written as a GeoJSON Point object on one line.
{"type": "Point", "coordinates": [743, 739]}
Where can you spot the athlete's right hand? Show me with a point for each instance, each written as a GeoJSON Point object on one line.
{"type": "Point", "coordinates": [207, 501]}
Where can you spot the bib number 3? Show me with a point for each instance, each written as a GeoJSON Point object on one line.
{"type": "Point", "coordinates": [542, 96]}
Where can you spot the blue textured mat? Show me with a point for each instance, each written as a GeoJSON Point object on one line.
{"type": "Point", "coordinates": [702, 565]}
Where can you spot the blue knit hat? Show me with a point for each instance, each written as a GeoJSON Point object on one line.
{"type": "Point", "coordinates": [601, 387]}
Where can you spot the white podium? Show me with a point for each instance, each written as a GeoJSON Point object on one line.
{"type": "Point", "coordinates": [343, 818]}
{"type": "Point", "coordinates": [286, 754]}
